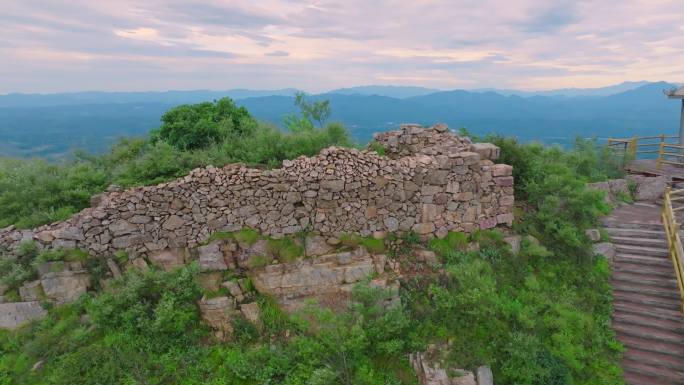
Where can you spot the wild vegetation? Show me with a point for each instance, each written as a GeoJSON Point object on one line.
{"type": "Point", "coordinates": [537, 317]}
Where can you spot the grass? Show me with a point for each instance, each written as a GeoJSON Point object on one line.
{"type": "Point", "coordinates": [453, 241]}
{"type": "Point", "coordinates": [258, 261]}
{"type": "Point", "coordinates": [63, 255]}
{"type": "Point", "coordinates": [285, 249]}
{"type": "Point", "coordinates": [374, 246]}
{"type": "Point", "coordinates": [219, 236]}
{"type": "Point", "coordinates": [247, 235]}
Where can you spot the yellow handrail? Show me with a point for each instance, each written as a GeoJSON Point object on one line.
{"type": "Point", "coordinates": [674, 242]}
{"type": "Point", "coordinates": [667, 153]}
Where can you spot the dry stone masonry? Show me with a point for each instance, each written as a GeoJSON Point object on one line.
{"type": "Point", "coordinates": [431, 181]}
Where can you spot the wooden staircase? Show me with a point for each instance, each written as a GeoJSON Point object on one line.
{"type": "Point", "coordinates": [647, 315]}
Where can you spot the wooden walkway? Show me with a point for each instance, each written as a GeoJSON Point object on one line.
{"type": "Point", "coordinates": [647, 317]}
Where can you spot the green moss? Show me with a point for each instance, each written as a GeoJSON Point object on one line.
{"type": "Point", "coordinates": [247, 235]}
{"type": "Point", "coordinates": [374, 246]}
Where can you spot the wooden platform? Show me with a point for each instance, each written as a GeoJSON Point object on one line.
{"type": "Point", "coordinates": [649, 166]}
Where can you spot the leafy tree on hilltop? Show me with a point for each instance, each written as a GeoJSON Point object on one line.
{"type": "Point", "coordinates": [310, 112]}
{"type": "Point", "coordinates": [194, 126]}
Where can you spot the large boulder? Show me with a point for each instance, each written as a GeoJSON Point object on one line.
{"type": "Point", "coordinates": [218, 314]}
{"type": "Point", "coordinates": [649, 188]}
{"type": "Point", "coordinates": [168, 259]}
{"type": "Point", "coordinates": [15, 314]}
{"type": "Point", "coordinates": [65, 286]}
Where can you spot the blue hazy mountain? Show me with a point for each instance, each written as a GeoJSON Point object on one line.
{"type": "Point", "coordinates": [399, 92]}
{"type": "Point", "coordinates": [573, 92]}
{"type": "Point", "coordinates": [162, 97]}
{"type": "Point", "coordinates": [52, 125]}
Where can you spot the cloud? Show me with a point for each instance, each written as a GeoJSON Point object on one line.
{"type": "Point", "coordinates": [278, 53]}
{"type": "Point", "coordinates": [552, 17]}
{"type": "Point", "coordinates": [67, 45]}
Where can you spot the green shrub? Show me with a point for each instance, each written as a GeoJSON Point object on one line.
{"type": "Point", "coordinates": [65, 255]}
{"type": "Point", "coordinates": [200, 125]}
{"type": "Point", "coordinates": [454, 241]}
{"type": "Point", "coordinates": [378, 148]}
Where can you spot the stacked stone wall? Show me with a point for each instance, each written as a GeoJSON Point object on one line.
{"type": "Point", "coordinates": [430, 181]}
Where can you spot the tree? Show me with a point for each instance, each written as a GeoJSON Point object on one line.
{"type": "Point", "coordinates": [193, 126]}
{"type": "Point", "coordinates": [310, 112]}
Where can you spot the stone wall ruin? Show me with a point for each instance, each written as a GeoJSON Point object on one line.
{"type": "Point", "coordinates": [430, 181]}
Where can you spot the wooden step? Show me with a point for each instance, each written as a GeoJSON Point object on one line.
{"type": "Point", "coordinates": [658, 313]}
{"type": "Point", "coordinates": [629, 276]}
{"type": "Point", "coordinates": [642, 242]}
{"type": "Point", "coordinates": [638, 379]}
{"type": "Point", "coordinates": [672, 375]}
{"type": "Point", "coordinates": [651, 345]}
{"type": "Point", "coordinates": [654, 358]}
{"type": "Point", "coordinates": [643, 260]}
{"type": "Point", "coordinates": [640, 288]}
{"type": "Point", "coordinates": [640, 250]}
{"type": "Point", "coordinates": [647, 300]}
{"type": "Point", "coordinates": [637, 233]}
{"type": "Point", "coordinates": [651, 270]}
{"type": "Point", "coordinates": [612, 223]}
{"type": "Point", "coordinates": [649, 332]}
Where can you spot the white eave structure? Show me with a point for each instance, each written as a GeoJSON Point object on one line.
{"type": "Point", "coordinates": [675, 93]}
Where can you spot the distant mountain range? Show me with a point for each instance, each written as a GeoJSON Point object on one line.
{"type": "Point", "coordinates": [52, 125]}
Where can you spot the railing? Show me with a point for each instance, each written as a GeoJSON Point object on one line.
{"type": "Point", "coordinates": [664, 149]}
{"type": "Point", "coordinates": [674, 242]}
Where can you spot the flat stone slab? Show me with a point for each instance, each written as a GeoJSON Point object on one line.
{"type": "Point", "coordinates": [15, 314]}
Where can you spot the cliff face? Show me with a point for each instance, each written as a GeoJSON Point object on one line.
{"type": "Point", "coordinates": [430, 181]}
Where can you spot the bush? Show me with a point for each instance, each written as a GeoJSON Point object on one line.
{"type": "Point", "coordinates": [199, 125]}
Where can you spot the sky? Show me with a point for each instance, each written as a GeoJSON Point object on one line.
{"type": "Point", "coordinates": [124, 45]}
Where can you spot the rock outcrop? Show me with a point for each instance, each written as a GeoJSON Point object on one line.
{"type": "Point", "coordinates": [430, 372]}
{"type": "Point", "coordinates": [15, 314]}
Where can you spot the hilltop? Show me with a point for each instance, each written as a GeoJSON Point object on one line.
{"type": "Point", "coordinates": [219, 250]}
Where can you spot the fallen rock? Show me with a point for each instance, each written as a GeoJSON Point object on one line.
{"type": "Point", "coordinates": [606, 249]}
{"type": "Point", "coordinates": [593, 234]}
{"type": "Point", "coordinates": [485, 376]}
{"type": "Point", "coordinates": [514, 241]}
{"type": "Point", "coordinates": [31, 291]}
{"type": "Point", "coordinates": [218, 313]}
{"type": "Point", "coordinates": [316, 245]}
{"type": "Point", "coordinates": [252, 312]}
